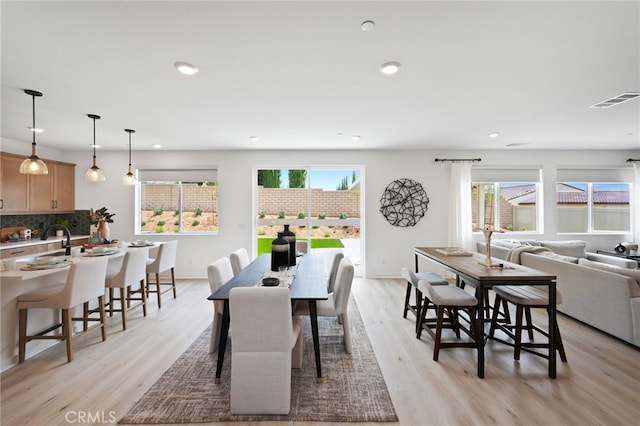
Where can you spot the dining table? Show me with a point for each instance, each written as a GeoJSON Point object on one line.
{"type": "Point", "coordinates": [309, 284]}
{"type": "Point", "coordinates": [474, 270]}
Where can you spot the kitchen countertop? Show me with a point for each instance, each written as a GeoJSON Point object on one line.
{"type": "Point", "coordinates": [38, 241]}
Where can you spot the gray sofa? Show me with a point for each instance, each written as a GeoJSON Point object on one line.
{"type": "Point", "coordinates": [602, 291]}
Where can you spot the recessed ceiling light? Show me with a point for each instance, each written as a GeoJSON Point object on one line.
{"type": "Point", "coordinates": [355, 137]}
{"type": "Point", "coordinates": [390, 68]}
{"type": "Point", "coordinates": [35, 129]}
{"type": "Point", "coordinates": [340, 134]}
{"type": "Point", "coordinates": [94, 146]}
{"type": "Point", "coordinates": [186, 68]}
{"type": "Point", "coordinates": [494, 134]}
{"type": "Point", "coordinates": [254, 138]}
{"type": "Point", "coordinates": [367, 25]}
{"type": "Point", "coordinates": [156, 146]}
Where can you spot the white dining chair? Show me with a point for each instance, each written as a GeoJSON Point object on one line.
{"type": "Point", "coordinates": [267, 343]}
{"type": "Point", "coordinates": [239, 260]}
{"type": "Point", "coordinates": [218, 272]}
{"type": "Point", "coordinates": [337, 303]}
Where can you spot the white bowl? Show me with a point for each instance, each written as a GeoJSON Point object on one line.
{"type": "Point", "coordinates": [98, 250]}
{"type": "Point", "coordinates": [49, 260]}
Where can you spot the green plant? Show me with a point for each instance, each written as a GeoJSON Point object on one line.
{"type": "Point", "coordinates": [281, 214]}
{"type": "Point", "coordinates": [262, 231]}
{"type": "Point", "coordinates": [197, 211]}
{"type": "Point", "coordinates": [330, 226]}
{"type": "Point", "coordinates": [195, 223]}
{"type": "Point", "coordinates": [158, 230]}
{"type": "Point", "coordinates": [321, 215]}
{"type": "Point", "coordinates": [143, 223]}
{"type": "Point", "coordinates": [327, 234]}
{"type": "Point", "coordinates": [176, 212]}
{"type": "Point", "coordinates": [100, 215]}
{"type": "Point", "coordinates": [262, 214]}
{"type": "Point", "coordinates": [302, 226]}
{"type": "Point", "coordinates": [342, 215]}
{"type": "Point", "coordinates": [315, 227]}
{"type": "Point", "coordinates": [176, 230]}
{"type": "Point", "coordinates": [176, 222]}
{"type": "Point", "coordinates": [157, 211]}
{"type": "Point", "coordinates": [161, 223]}
{"type": "Point", "coordinates": [301, 215]}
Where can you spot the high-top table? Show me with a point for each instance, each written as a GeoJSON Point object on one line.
{"type": "Point", "coordinates": [473, 271]}
{"type": "Point", "coordinates": [309, 283]}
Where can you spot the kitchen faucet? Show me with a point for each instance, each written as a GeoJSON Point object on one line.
{"type": "Point", "coordinates": [44, 236]}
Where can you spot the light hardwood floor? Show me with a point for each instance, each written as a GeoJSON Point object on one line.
{"type": "Point", "coordinates": [599, 385]}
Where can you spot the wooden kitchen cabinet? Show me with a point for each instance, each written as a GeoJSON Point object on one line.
{"type": "Point", "coordinates": [50, 193]}
{"type": "Point", "coordinates": [14, 196]}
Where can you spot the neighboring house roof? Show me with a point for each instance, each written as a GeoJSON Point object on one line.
{"type": "Point", "coordinates": [525, 194]}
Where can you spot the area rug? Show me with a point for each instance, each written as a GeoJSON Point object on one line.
{"type": "Point", "coordinates": [353, 388]}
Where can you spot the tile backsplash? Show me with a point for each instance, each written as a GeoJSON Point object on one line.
{"type": "Point", "coordinates": [77, 222]}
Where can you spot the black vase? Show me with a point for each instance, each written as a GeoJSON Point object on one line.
{"type": "Point", "coordinates": [291, 237]}
{"type": "Point", "coordinates": [279, 252]}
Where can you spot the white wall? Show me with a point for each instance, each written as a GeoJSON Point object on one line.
{"type": "Point", "coordinates": [387, 248]}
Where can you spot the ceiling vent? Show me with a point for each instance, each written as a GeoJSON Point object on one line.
{"type": "Point", "coordinates": [617, 100]}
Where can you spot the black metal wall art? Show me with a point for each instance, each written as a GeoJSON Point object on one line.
{"type": "Point", "coordinates": [404, 202]}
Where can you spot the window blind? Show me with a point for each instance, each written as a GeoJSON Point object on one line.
{"type": "Point", "coordinates": [496, 174]}
{"type": "Point", "coordinates": [595, 174]}
{"type": "Point", "coordinates": [191, 174]}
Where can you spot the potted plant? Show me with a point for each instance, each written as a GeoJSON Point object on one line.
{"type": "Point", "coordinates": [99, 219]}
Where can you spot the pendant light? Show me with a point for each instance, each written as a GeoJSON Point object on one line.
{"type": "Point", "coordinates": [94, 174]}
{"type": "Point", "coordinates": [129, 178]}
{"type": "Point", "coordinates": [33, 165]}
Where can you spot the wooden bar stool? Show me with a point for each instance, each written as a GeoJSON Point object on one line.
{"type": "Point", "coordinates": [164, 261]}
{"type": "Point", "coordinates": [412, 283]}
{"type": "Point", "coordinates": [452, 299]}
{"type": "Point", "coordinates": [525, 298]}
{"type": "Point", "coordinates": [84, 282]}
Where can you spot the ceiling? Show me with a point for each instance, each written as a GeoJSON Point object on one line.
{"type": "Point", "coordinates": [304, 75]}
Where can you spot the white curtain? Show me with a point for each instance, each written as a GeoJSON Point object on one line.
{"type": "Point", "coordinates": [635, 199]}
{"type": "Point", "coordinates": [460, 207]}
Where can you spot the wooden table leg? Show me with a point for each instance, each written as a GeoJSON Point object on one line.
{"type": "Point", "coordinates": [313, 314]}
{"type": "Point", "coordinates": [480, 333]}
{"type": "Point", "coordinates": [552, 328]}
{"type": "Point", "coordinates": [222, 345]}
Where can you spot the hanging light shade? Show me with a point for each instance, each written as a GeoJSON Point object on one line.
{"type": "Point", "coordinates": [94, 174]}
{"type": "Point", "coordinates": [33, 165]}
{"type": "Point", "coordinates": [129, 178]}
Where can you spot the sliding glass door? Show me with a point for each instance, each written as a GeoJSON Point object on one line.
{"type": "Point", "coordinates": [322, 205]}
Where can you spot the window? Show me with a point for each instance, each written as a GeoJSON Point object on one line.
{"type": "Point", "coordinates": [181, 201]}
{"type": "Point", "coordinates": [505, 199]}
{"type": "Point", "coordinates": [593, 200]}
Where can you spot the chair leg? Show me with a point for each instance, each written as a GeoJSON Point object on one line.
{"type": "Point", "coordinates": [527, 313]}
{"type": "Point", "coordinates": [419, 307]}
{"type": "Point", "coordinates": [436, 346]}
{"type": "Point", "coordinates": [173, 283]}
{"type": "Point", "coordinates": [407, 298]}
{"type": "Point", "coordinates": [423, 315]}
{"type": "Point", "coordinates": [67, 332]}
{"type": "Point", "coordinates": [22, 332]}
{"type": "Point", "coordinates": [347, 332]}
{"type": "Point", "coordinates": [123, 309]}
{"type": "Point", "coordinates": [110, 301]}
{"type": "Point", "coordinates": [85, 316]}
{"type": "Point", "coordinates": [494, 317]}
{"type": "Point", "coordinates": [559, 344]}
{"type": "Point", "coordinates": [143, 295]}
{"type": "Point", "coordinates": [158, 290]}
{"type": "Point", "coordinates": [103, 325]}
{"type": "Point", "coordinates": [518, 334]}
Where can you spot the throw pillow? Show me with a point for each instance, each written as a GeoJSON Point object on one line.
{"type": "Point", "coordinates": [633, 273]}
{"type": "Point", "coordinates": [576, 248]}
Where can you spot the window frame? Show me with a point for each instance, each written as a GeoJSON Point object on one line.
{"type": "Point", "coordinates": [193, 175]}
